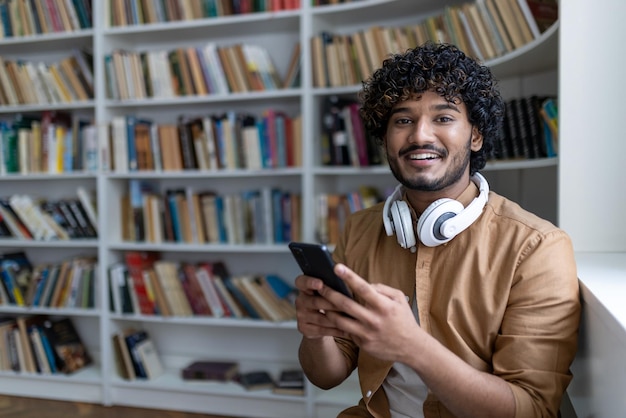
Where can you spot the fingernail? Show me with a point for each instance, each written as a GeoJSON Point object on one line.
{"type": "Point", "coordinates": [341, 268]}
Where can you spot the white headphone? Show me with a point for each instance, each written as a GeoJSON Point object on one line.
{"type": "Point", "coordinates": [441, 221]}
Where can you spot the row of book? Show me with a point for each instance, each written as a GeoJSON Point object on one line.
{"type": "Point", "coordinates": [484, 29]}
{"type": "Point", "coordinates": [51, 142]}
{"type": "Point", "coordinates": [290, 381]}
{"type": "Point", "coordinates": [530, 129]}
{"type": "Point", "coordinates": [189, 71]}
{"type": "Point", "coordinates": [140, 12]}
{"type": "Point", "coordinates": [260, 216]}
{"type": "Point", "coordinates": [213, 142]}
{"type": "Point", "coordinates": [39, 344]}
{"type": "Point", "coordinates": [36, 82]}
{"type": "Point", "coordinates": [332, 209]}
{"type": "Point", "coordinates": [25, 217]}
{"type": "Point", "coordinates": [35, 17]}
{"type": "Point", "coordinates": [327, 2]}
{"type": "Point", "coordinates": [344, 140]}
{"type": "Point", "coordinates": [69, 284]}
{"type": "Point", "coordinates": [145, 284]}
{"type": "Point", "coordinates": [135, 355]}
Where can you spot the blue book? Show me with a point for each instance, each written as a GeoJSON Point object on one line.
{"type": "Point", "coordinates": [241, 298]}
{"type": "Point", "coordinates": [131, 121]}
{"type": "Point", "coordinates": [221, 223]}
{"type": "Point", "coordinates": [132, 341]}
{"type": "Point", "coordinates": [173, 205]}
{"type": "Point", "coordinates": [47, 348]}
{"type": "Point", "coordinates": [6, 20]}
{"type": "Point", "coordinates": [40, 286]}
{"type": "Point", "coordinates": [83, 14]}
{"type": "Point", "coordinates": [266, 156]}
{"type": "Point", "coordinates": [279, 286]}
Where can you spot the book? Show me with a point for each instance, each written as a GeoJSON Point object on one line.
{"type": "Point", "coordinates": [256, 380]}
{"type": "Point", "coordinates": [221, 371]}
{"type": "Point", "coordinates": [133, 338]}
{"type": "Point", "coordinates": [290, 382]}
{"type": "Point", "coordinates": [137, 262]}
{"type": "Point", "coordinates": [122, 357]}
{"type": "Point", "coordinates": [149, 357]}
{"type": "Point", "coordinates": [70, 353]}
{"type": "Point", "coordinates": [167, 274]}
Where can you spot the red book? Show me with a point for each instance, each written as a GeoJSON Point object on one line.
{"type": "Point", "coordinates": [193, 290]}
{"type": "Point", "coordinates": [138, 262]}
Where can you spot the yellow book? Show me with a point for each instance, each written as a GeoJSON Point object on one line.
{"type": "Point", "coordinates": [60, 83]}
{"type": "Point", "coordinates": [60, 132]}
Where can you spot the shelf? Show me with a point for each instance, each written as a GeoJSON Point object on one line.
{"type": "Point", "coordinates": [85, 105]}
{"type": "Point", "coordinates": [72, 243]}
{"type": "Point", "coordinates": [47, 42]}
{"type": "Point", "coordinates": [29, 310]}
{"type": "Point", "coordinates": [279, 248]}
{"type": "Point", "coordinates": [203, 174]}
{"type": "Point", "coordinates": [226, 26]}
{"type": "Point", "coordinates": [52, 177]}
{"type": "Point", "coordinates": [208, 321]}
{"type": "Point", "coordinates": [234, 98]}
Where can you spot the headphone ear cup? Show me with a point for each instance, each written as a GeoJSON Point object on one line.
{"type": "Point", "coordinates": [403, 224]}
{"type": "Point", "coordinates": [429, 224]}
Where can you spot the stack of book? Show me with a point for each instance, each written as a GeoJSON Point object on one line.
{"type": "Point", "coordinates": [25, 18]}
{"type": "Point", "coordinates": [332, 210]}
{"type": "Point", "coordinates": [193, 71]}
{"type": "Point", "coordinates": [25, 217]}
{"type": "Point", "coordinates": [52, 142]}
{"type": "Point", "coordinates": [38, 344]}
{"type": "Point", "coordinates": [70, 284]}
{"type": "Point", "coordinates": [213, 142]}
{"type": "Point", "coordinates": [28, 82]}
{"type": "Point", "coordinates": [265, 216]}
{"type": "Point", "coordinates": [147, 285]}
{"type": "Point", "coordinates": [484, 29]}
{"type": "Point", "coordinates": [136, 355]}
{"type": "Point", "coordinates": [530, 129]}
{"type": "Point", "coordinates": [140, 12]}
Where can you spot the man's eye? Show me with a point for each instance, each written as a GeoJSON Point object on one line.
{"type": "Point", "coordinates": [444, 119]}
{"type": "Point", "coordinates": [403, 121]}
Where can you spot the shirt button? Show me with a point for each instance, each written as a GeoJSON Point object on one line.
{"type": "Point", "coordinates": [368, 394]}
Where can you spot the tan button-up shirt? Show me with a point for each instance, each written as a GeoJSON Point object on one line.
{"type": "Point", "coordinates": [502, 295]}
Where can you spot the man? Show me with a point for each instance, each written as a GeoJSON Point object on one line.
{"type": "Point", "coordinates": [490, 327]}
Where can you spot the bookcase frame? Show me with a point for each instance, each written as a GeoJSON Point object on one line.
{"type": "Point", "coordinates": [255, 344]}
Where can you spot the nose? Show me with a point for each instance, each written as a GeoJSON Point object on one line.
{"type": "Point", "coordinates": [423, 132]}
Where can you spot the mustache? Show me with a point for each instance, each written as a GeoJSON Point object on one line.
{"type": "Point", "coordinates": [428, 147]}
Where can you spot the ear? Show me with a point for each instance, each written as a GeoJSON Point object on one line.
{"type": "Point", "coordinates": [477, 139]}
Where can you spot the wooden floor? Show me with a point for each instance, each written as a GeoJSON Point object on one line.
{"type": "Point", "coordinates": [15, 407]}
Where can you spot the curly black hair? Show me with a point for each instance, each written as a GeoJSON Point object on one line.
{"type": "Point", "coordinates": [446, 70]}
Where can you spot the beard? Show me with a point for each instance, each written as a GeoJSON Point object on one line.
{"type": "Point", "coordinates": [453, 174]}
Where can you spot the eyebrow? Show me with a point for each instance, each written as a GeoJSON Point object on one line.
{"type": "Point", "coordinates": [436, 107]}
{"type": "Point", "coordinates": [445, 106]}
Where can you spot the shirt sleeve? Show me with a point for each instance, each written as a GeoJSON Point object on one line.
{"type": "Point", "coordinates": [538, 337]}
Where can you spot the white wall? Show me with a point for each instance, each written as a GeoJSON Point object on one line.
{"type": "Point", "coordinates": [592, 92]}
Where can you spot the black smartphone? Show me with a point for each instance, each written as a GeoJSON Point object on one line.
{"type": "Point", "coordinates": [315, 261]}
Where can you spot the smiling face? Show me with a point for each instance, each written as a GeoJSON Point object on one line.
{"type": "Point", "coordinates": [428, 142]}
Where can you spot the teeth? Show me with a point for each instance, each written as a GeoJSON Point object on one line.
{"type": "Point", "coordinates": [422, 156]}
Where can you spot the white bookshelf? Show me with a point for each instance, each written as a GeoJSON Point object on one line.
{"type": "Point", "coordinates": [255, 344]}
